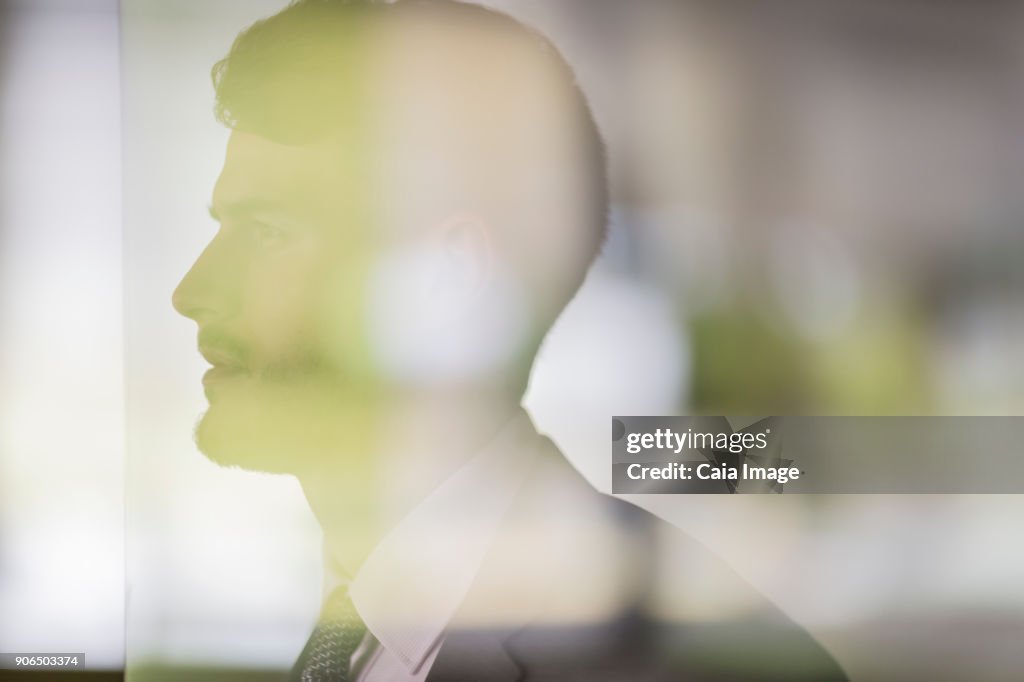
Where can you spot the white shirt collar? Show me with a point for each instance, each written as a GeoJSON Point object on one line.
{"type": "Point", "coordinates": [415, 579]}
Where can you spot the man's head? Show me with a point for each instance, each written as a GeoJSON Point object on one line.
{"type": "Point", "coordinates": [411, 194]}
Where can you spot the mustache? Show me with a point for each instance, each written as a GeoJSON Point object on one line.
{"type": "Point", "coordinates": [222, 349]}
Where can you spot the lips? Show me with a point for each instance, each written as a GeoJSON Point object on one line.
{"type": "Point", "coordinates": [226, 365]}
{"type": "Point", "coordinates": [220, 358]}
{"type": "Point", "coordinates": [220, 373]}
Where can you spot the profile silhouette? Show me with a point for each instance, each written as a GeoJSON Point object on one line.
{"type": "Point", "coordinates": [411, 194]}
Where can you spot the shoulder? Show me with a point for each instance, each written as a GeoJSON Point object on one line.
{"type": "Point", "coordinates": [587, 578]}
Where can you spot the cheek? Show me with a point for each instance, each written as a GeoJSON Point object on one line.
{"type": "Point", "coordinates": [342, 316]}
{"type": "Point", "coordinates": [282, 301]}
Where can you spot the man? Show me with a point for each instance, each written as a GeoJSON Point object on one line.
{"type": "Point", "coordinates": [411, 194]}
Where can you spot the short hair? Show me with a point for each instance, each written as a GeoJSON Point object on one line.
{"type": "Point", "coordinates": [272, 83]}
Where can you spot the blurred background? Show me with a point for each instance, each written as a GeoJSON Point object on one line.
{"type": "Point", "coordinates": [61, 333]}
{"type": "Point", "coordinates": [817, 209]}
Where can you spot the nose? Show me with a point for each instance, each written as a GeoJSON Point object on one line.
{"type": "Point", "coordinates": [183, 299]}
{"type": "Point", "coordinates": [202, 293]}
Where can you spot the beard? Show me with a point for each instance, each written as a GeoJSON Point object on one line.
{"type": "Point", "coordinates": [291, 416]}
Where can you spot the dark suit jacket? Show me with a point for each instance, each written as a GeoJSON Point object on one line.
{"type": "Point", "coordinates": [574, 588]}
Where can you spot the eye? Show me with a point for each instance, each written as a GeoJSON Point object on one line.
{"type": "Point", "coordinates": [268, 236]}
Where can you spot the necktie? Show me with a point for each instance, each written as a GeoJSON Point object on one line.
{"type": "Point", "coordinates": [326, 655]}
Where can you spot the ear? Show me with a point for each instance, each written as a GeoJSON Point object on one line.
{"type": "Point", "coordinates": [465, 242]}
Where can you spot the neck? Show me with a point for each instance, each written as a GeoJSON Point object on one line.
{"type": "Point", "coordinates": [408, 450]}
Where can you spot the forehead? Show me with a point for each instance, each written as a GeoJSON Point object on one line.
{"type": "Point", "coordinates": [257, 169]}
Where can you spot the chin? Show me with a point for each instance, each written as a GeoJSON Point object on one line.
{"type": "Point", "coordinates": [279, 429]}
{"type": "Point", "coordinates": [230, 441]}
